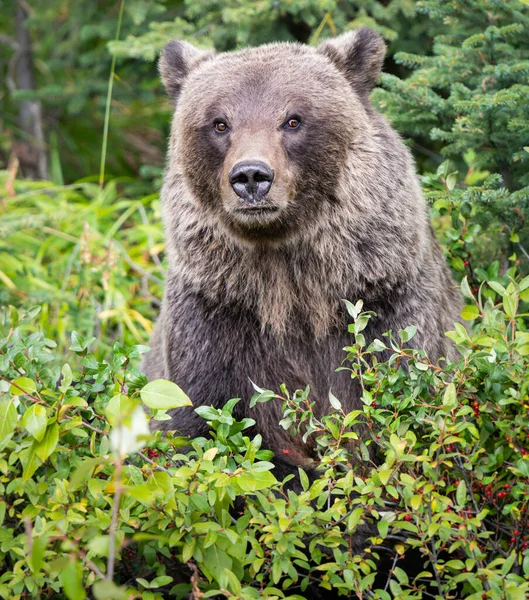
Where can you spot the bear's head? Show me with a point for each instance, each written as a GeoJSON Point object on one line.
{"type": "Point", "coordinates": [262, 136]}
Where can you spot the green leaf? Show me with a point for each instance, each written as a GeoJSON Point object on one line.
{"type": "Point", "coordinates": [303, 479]}
{"type": "Point", "coordinates": [32, 463]}
{"type": "Point", "coordinates": [80, 475]}
{"type": "Point", "coordinates": [49, 442]}
{"type": "Point", "coordinates": [354, 518]}
{"type": "Point", "coordinates": [451, 180]}
{"type": "Point", "coordinates": [72, 581]}
{"type": "Point", "coordinates": [163, 395]}
{"type": "Point", "coordinates": [470, 312]}
{"type": "Point", "coordinates": [36, 560]}
{"type": "Point", "coordinates": [461, 493]}
{"type": "Point", "coordinates": [450, 396]}
{"type": "Point", "coordinates": [457, 263]}
{"type": "Point", "coordinates": [252, 482]}
{"type": "Point", "coordinates": [23, 385]}
{"type": "Point", "coordinates": [161, 581]}
{"type": "Point", "coordinates": [509, 305]}
{"type": "Point", "coordinates": [383, 527]}
{"type": "Point", "coordinates": [485, 340]}
{"type": "Point", "coordinates": [416, 501]}
{"type": "Point", "coordinates": [8, 421]}
{"type": "Point", "coordinates": [67, 378]}
{"type": "Point", "coordinates": [497, 287]}
{"type": "Point", "coordinates": [407, 334]}
{"type": "Point", "coordinates": [524, 284]}
{"type": "Point", "coordinates": [118, 407]}
{"type": "Point", "coordinates": [98, 545]}
{"type": "Point", "coordinates": [161, 483]}
{"type": "Point", "coordinates": [465, 288]}
{"type": "Point", "coordinates": [401, 575]}
{"type": "Point", "coordinates": [108, 590]}
{"type": "Point", "coordinates": [384, 475]}
{"type": "Point", "coordinates": [35, 421]}
{"type": "Point", "coordinates": [335, 403]}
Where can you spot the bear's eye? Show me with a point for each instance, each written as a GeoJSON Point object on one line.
{"type": "Point", "coordinates": [220, 126]}
{"type": "Point", "coordinates": [293, 123]}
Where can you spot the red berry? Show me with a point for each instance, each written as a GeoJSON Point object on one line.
{"type": "Point", "coordinates": [168, 464]}
{"type": "Point", "coordinates": [286, 451]}
{"type": "Point", "coordinates": [466, 263]}
{"type": "Point", "coordinates": [407, 517]}
{"type": "Point", "coordinates": [516, 532]}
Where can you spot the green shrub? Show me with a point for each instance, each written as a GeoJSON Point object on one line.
{"type": "Point", "coordinates": [91, 501]}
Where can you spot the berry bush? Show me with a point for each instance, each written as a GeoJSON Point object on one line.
{"type": "Point", "coordinates": [432, 473]}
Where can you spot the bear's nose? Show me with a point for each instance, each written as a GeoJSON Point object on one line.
{"type": "Point", "coordinates": [251, 180]}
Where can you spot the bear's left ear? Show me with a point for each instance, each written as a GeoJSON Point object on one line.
{"type": "Point", "coordinates": [177, 60]}
{"type": "Point", "coordinates": [359, 55]}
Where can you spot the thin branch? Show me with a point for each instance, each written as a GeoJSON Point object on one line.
{"type": "Point", "coordinates": [154, 464]}
{"type": "Point", "coordinates": [524, 251]}
{"type": "Point", "coordinates": [24, 393]}
{"type": "Point", "coordinates": [91, 565]}
{"type": "Point", "coordinates": [395, 559]}
{"type": "Point", "coordinates": [114, 524]}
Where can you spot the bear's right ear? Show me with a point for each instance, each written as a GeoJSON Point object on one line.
{"type": "Point", "coordinates": [177, 60]}
{"type": "Point", "coordinates": [359, 55]}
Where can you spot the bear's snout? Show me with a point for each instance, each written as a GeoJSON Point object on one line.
{"type": "Point", "coordinates": [251, 180]}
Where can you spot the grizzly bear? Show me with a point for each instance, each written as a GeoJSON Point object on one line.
{"type": "Point", "coordinates": [286, 192]}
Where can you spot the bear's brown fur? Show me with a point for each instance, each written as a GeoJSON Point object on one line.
{"type": "Point", "coordinates": [257, 294]}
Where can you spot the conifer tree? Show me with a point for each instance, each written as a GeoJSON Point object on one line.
{"type": "Point", "coordinates": [470, 100]}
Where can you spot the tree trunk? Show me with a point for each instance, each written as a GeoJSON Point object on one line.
{"type": "Point", "coordinates": [30, 148]}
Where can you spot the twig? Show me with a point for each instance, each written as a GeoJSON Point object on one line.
{"type": "Point", "coordinates": [395, 559]}
{"type": "Point", "coordinates": [154, 464]}
{"type": "Point", "coordinates": [82, 554]}
{"type": "Point", "coordinates": [524, 251]}
{"type": "Point", "coordinates": [434, 556]}
{"type": "Point", "coordinates": [91, 565]}
{"type": "Point", "coordinates": [196, 594]}
{"type": "Point", "coordinates": [114, 523]}
{"type": "Point", "coordinates": [85, 424]}
{"type": "Point", "coordinates": [34, 398]}
{"type": "Point", "coordinates": [29, 534]}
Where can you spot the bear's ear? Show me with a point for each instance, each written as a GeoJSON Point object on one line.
{"type": "Point", "coordinates": [359, 55]}
{"type": "Point", "coordinates": [177, 60]}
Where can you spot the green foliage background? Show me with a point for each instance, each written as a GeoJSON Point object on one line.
{"type": "Point", "coordinates": [452, 475]}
